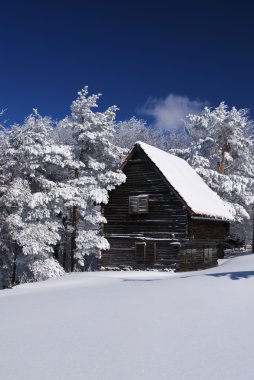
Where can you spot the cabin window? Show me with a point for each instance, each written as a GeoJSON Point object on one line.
{"type": "Point", "coordinates": [145, 252]}
{"type": "Point", "coordinates": [189, 255]}
{"type": "Point", "coordinates": [138, 204]}
{"type": "Point", "coordinates": [208, 255]}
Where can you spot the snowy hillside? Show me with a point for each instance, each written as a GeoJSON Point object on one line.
{"type": "Point", "coordinates": [131, 326]}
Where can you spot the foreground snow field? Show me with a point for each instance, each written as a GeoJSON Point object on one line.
{"type": "Point", "coordinates": [132, 325]}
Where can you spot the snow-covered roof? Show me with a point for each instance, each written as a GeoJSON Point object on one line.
{"type": "Point", "coordinates": [188, 184]}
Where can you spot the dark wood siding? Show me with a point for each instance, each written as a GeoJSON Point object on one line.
{"type": "Point", "coordinates": [209, 229]}
{"type": "Point", "coordinates": [166, 219]}
{"type": "Point", "coordinates": [168, 224]}
{"type": "Point", "coordinates": [195, 260]}
{"type": "Point", "coordinates": [122, 254]}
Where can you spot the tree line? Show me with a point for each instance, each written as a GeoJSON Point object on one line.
{"type": "Point", "coordinates": [54, 176]}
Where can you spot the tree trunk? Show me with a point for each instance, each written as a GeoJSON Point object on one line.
{"type": "Point", "coordinates": [73, 236]}
{"type": "Point", "coordinates": [64, 242]}
{"type": "Point", "coordinates": [56, 251]}
{"type": "Point", "coordinates": [14, 268]}
{"type": "Point", "coordinates": [35, 185]}
{"type": "Point", "coordinates": [74, 220]}
{"type": "Point", "coordinates": [253, 231]}
{"type": "Point", "coordinates": [225, 148]}
{"type": "Point", "coordinates": [221, 166]}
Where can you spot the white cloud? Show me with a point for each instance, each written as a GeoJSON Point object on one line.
{"type": "Point", "coordinates": [169, 113]}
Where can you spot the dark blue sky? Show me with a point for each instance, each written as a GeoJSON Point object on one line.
{"type": "Point", "coordinates": [129, 51]}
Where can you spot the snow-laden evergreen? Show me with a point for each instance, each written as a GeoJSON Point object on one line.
{"type": "Point", "coordinates": [97, 157]}
{"type": "Point", "coordinates": [53, 181]}
{"type": "Point", "coordinates": [31, 197]}
{"type": "Point", "coordinates": [221, 151]}
{"type": "Point", "coordinates": [132, 130]}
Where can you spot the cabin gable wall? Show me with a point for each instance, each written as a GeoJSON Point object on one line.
{"type": "Point", "coordinates": [165, 222]}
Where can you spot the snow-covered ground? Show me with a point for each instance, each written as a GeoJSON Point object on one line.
{"type": "Point", "coordinates": [132, 326]}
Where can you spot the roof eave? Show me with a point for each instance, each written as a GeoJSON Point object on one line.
{"type": "Point", "coordinates": [209, 217]}
{"type": "Point", "coordinates": [128, 157]}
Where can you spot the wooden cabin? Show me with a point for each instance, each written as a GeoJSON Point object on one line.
{"type": "Point", "coordinates": [163, 216]}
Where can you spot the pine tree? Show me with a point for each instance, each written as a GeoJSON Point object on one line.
{"type": "Point", "coordinates": [130, 131]}
{"type": "Point", "coordinates": [221, 151]}
{"type": "Point", "coordinates": [5, 249]}
{"type": "Point", "coordinates": [97, 158]}
{"type": "Point", "coordinates": [53, 181]}
{"type": "Point", "coordinates": [33, 197]}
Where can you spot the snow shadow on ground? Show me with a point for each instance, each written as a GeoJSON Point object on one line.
{"type": "Point", "coordinates": [141, 279]}
{"type": "Point", "coordinates": [234, 275]}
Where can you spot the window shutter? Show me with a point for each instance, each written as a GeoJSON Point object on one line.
{"type": "Point", "coordinates": [190, 255]}
{"type": "Point", "coordinates": [143, 205]}
{"type": "Point", "coordinates": [208, 255]}
{"type": "Point", "coordinates": [145, 252]}
{"type": "Point", "coordinates": [133, 205]}
{"type": "Point", "coordinates": [150, 254]}
{"type": "Point", "coordinates": [140, 251]}
{"type": "Point", "coordinates": [138, 204]}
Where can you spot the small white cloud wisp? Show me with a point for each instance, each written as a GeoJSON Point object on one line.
{"type": "Point", "coordinates": [169, 113]}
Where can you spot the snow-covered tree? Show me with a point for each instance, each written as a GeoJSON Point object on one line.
{"type": "Point", "coordinates": [97, 157]}
{"type": "Point", "coordinates": [130, 131]}
{"type": "Point", "coordinates": [53, 180]}
{"type": "Point", "coordinates": [225, 137]}
{"type": "Point", "coordinates": [221, 151]}
{"type": "Point", "coordinates": [33, 197]}
{"type": "Point", "coordinates": [4, 178]}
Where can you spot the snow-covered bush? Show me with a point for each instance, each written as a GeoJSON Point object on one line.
{"type": "Point", "coordinates": [41, 270]}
